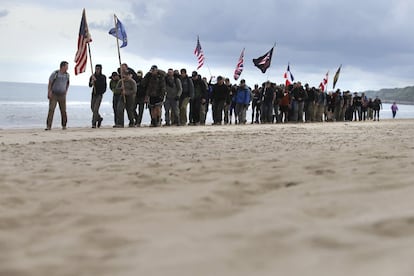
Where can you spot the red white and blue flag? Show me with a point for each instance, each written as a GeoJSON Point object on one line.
{"type": "Point", "coordinates": [288, 76]}
{"type": "Point", "coordinates": [199, 54]}
{"type": "Point", "coordinates": [239, 66]}
{"type": "Point", "coordinates": [264, 61]}
{"type": "Point", "coordinates": [324, 84]}
{"type": "Point", "coordinates": [81, 56]}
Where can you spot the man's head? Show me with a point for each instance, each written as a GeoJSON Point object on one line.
{"type": "Point", "coordinates": [170, 72]}
{"type": "Point", "coordinates": [114, 76]}
{"type": "Point", "coordinates": [183, 72]}
{"type": "Point", "coordinates": [139, 74]}
{"type": "Point", "coordinates": [194, 75]}
{"type": "Point", "coordinates": [154, 69]}
{"type": "Point", "coordinates": [64, 66]}
{"type": "Point", "coordinates": [124, 66]}
{"type": "Point", "coordinates": [98, 68]}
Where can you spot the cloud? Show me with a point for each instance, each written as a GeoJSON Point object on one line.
{"type": "Point", "coordinates": [370, 38]}
{"type": "Point", "coordinates": [3, 13]}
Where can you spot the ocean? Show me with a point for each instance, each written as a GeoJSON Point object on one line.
{"type": "Point", "coordinates": [25, 105]}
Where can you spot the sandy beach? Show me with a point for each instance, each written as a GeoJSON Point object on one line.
{"type": "Point", "coordinates": [293, 199]}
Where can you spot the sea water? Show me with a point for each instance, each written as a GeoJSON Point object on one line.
{"type": "Point", "coordinates": [25, 105]}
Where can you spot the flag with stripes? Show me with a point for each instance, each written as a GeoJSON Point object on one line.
{"type": "Point", "coordinates": [84, 38]}
{"type": "Point", "coordinates": [199, 54]}
{"type": "Point", "coordinates": [239, 66]}
{"type": "Point", "coordinates": [324, 83]}
{"type": "Point", "coordinates": [336, 77]}
{"type": "Point", "coordinates": [288, 76]}
{"type": "Point", "coordinates": [264, 61]}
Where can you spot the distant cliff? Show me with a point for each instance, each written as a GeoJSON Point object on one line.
{"type": "Point", "coordinates": [399, 95]}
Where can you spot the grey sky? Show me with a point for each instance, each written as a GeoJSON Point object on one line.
{"type": "Point", "coordinates": [373, 40]}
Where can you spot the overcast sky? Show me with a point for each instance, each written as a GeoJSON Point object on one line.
{"type": "Point", "coordinates": [372, 39]}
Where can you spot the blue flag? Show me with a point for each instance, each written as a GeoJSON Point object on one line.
{"type": "Point", "coordinates": [119, 32]}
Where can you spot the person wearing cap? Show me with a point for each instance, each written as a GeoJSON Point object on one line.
{"type": "Point", "coordinates": [155, 93]}
{"type": "Point", "coordinates": [98, 83]}
{"type": "Point", "coordinates": [186, 95]}
{"type": "Point", "coordinates": [128, 89]}
{"type": "Point", "coordinates": [116, 94]}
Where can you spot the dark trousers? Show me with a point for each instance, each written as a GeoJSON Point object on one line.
{"type": "Point", "coordinates": [95, 105]}
{"type": "Point", "coordinates": [115, 102]}
{"type": "Point", "coordinates": [139, 104]}
{"type": "Point", "coordinates": [127, 105]}
{"type": "Point", "coordinates": [195, 110]}
{"type": "Point", "coordinates": [218, 108]}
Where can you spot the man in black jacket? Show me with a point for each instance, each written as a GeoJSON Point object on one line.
{"type": "Point", "coordinates": [220, 94]}
{"type": "Point", "coordinates": [199, 100]}
{"type": "Point", "coordinates": [98, 83]}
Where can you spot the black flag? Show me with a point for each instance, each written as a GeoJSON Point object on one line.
{"type": "Point", "coordinates": [264, 61]}
{"type": "Point", "coordinates": [336, 77]}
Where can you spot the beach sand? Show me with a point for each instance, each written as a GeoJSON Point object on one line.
{"type": "Point", "coordinates": [293, 199]}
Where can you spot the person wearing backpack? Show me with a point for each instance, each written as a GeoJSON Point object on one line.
{"type": "Point", "coordinates": [56, 93]}
{"type": "Point", "coordinates": [172, 97]}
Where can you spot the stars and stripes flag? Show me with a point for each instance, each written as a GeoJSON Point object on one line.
{"type": "Point", "coordinates": [288, 76]}
{"type": "Point", "coordinates": [84, 38]}
{"type": "Point", "coordinates": [239, 66]}
{"type": "Point", "coordinates": [199, 54]}
{"type": "Point", "coordinates": [336, 77]}
{"type": "Point", "coordinates": [324, 83]}
{"type": "Point", "coordinates": [264, 61]}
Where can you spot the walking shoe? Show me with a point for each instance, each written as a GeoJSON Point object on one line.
{"type": "Point", "coordinates": [64, 128]}
{"type": "Point", "coordinates": [100, 122]}
{"type": "Point", "coordinates": [48, 128]}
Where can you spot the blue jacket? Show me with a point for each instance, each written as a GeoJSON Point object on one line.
{"type": "Point", "coordinates": [243, 95]}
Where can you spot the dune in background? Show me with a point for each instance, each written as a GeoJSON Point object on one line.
{"type": "Point", "coordinates": [294, 199]}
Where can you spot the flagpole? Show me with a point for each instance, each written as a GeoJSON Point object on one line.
{"type": "Point", "coordinates": [273, 48]}
{"type": "Point", "coordinates": [208, 67]}
{"type": "Point", "coordinates": [90, 61]}
{"type": "Point", "coordinates": [90, 55]}
{"type": "Point", "coordinates": [119, 56]}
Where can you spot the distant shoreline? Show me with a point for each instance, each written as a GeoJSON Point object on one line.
{"type": "Point", "coordinates": [398, 102]}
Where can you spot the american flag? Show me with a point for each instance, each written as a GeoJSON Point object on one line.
{"type": "Point", "coordinates": [288, 76]}
{"type": "Point", "coordinates": [199, 53]}
{"type": "Point", "coordinates": [81, 56]}
{"type": "Point", "coordinates": [239, 67]}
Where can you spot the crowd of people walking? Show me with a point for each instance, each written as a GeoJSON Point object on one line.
{"type": "Point", "coordinates": [185, 100]}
